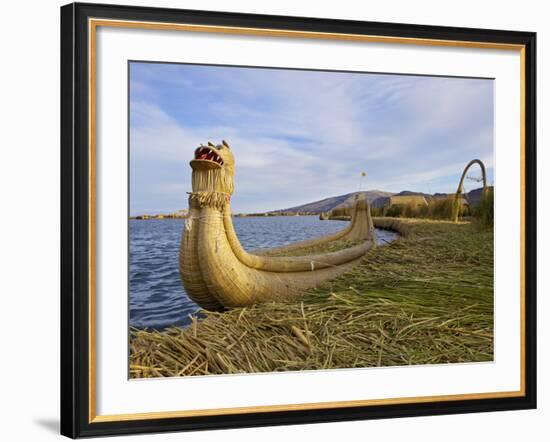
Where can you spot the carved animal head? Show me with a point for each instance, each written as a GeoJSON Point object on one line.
{"type": "Point", "coordinates": [212, 179]}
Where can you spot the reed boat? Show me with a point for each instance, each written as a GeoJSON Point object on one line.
{"type": "Point", "coordinates": [218, 273]}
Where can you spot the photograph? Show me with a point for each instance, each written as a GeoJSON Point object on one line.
{"type": "Point", "coordinates": [279, 218]}
{"type": "Point", "coordinates": [296, 219]}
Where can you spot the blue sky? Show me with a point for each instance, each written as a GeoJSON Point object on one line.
{"type": "Point", "coordinates": [300, 136]}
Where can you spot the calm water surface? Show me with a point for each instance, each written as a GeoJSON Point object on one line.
{"type": "Point", "coordinates": [157, 298]}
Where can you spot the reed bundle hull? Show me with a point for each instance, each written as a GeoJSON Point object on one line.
{"type": "Point", "coordinates": [218, 273]}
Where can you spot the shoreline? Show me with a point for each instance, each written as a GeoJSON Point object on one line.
{"type": "Point", "coordinates": [235, 215]}
{"type": "Point", "coordinates": [426, 298]}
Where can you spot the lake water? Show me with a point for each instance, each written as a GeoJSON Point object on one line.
{"type": "Point", "coordinates": [157, 298]}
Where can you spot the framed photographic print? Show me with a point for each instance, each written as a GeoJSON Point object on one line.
{"type": "Point", "coordinates": [275, 220]}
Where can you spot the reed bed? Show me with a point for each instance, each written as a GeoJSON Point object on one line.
{"type": "Point", "coordinates": [442, 209]}
{"type": "Point", "coordinates": [484, 211]}
{"type": "Point", "coordinates": [436, 208]}
{"type": "Point", "coordinates": [425, 299]}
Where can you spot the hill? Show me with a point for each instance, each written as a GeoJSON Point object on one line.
{"type": "Point", "coordinates": [327, 204]}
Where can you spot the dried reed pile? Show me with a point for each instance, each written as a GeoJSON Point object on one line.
{"type": "Point", "coordinates": [425, 299]}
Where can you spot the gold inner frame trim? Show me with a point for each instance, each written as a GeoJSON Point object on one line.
{"type": "Point", "coordinates": [93, 24]}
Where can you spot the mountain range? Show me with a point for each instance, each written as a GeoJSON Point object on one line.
{"type": "Point", "coordinates": [327, 204]}
{"type": "Point", "coordinates": [376, 198]}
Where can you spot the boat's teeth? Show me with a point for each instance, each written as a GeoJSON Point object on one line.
{"type": "Point", "coordinates": [206, 153]}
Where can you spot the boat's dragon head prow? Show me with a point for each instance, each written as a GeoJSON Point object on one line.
{"type": "Point", "coordinates": [213, 172]}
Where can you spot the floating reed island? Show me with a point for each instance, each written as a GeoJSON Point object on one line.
{"type": "Point", "coordinates": [332, 302]}
{"type": "Point", "coordinates": [427, 298]}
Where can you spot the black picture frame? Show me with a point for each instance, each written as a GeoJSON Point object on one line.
{"type": "Point", "coordinates": [75, 219]}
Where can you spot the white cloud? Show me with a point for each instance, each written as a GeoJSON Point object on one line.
{"type": "Point", "coordinates": [298, 138]}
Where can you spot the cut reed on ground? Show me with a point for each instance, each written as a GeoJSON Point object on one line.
{"type": "Point", "coordinates": [425, 299]}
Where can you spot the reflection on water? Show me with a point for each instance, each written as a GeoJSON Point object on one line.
{"type": "Point", "coordinates": [157, 298]}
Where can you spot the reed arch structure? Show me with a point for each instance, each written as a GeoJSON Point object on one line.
{"type": "Point", "coordinates": [460, 189]}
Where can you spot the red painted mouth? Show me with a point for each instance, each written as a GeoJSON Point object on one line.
{"type": "Point", "coordinates": [208, 154]}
